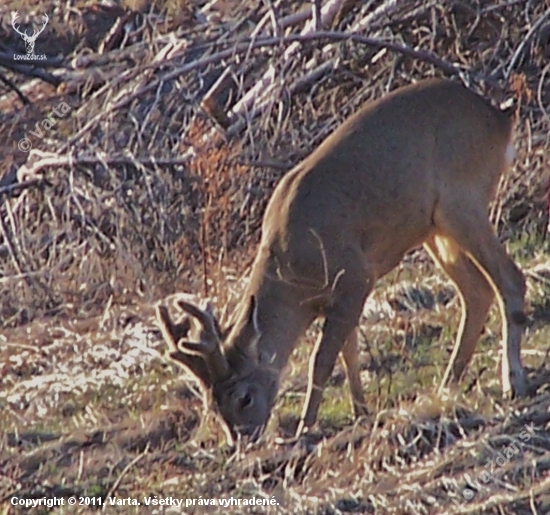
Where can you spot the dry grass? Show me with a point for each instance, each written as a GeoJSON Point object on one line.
{"type": "Point", "coordinates": [88, 245]}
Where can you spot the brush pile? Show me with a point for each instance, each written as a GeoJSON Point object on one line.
{"type": "Point", "coordinates": [173, 131]}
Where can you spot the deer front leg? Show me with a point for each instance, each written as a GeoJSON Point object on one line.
{"type": "Point", "coordinates": [341, 320]}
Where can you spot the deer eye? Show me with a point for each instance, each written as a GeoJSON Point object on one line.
{"type": "Point", "coordinates": [246, 401]}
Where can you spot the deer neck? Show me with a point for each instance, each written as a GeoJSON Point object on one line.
{"type": "Point", "coordinates": [281, 314]}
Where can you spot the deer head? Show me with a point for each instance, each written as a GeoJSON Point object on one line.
{"type": "Point", "coordinates": [234, 384]}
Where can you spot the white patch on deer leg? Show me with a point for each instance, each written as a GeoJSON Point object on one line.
{"type": "Point", "coordinates": [447, 248]}
{"type": "Point", "coordinates": [510, 153]}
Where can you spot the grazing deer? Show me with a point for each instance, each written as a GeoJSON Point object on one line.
{"type": "Point", "coordinates": [418, 167]}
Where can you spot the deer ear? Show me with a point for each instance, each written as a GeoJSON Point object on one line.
{"type": "Point", "coordinates": [254, 316]}
{"type": "Point", "coordinates": [254, 332]}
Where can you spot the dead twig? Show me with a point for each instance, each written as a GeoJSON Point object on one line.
{"type": "Point", "coordinates": [13, 87]}
{"type": "Point", "coordinates": [50, 159]}
{"type": "Point", "coordinates": [422, 55]}
{"type": "Point", "coordinates": [19, 186]}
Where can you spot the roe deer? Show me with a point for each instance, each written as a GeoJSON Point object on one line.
{"type": "Point", "coordinates": [417, 167]}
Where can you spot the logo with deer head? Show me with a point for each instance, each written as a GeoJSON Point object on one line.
{"type": "Point", "coordinates": [28, 39]}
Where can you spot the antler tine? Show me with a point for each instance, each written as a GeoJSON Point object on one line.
{"type": "Point", "coordinates": [166, 327]}
{"type": "Point", "coordinates": [207, 322]}
{"type": "Point", "coordinates": [210, 346]}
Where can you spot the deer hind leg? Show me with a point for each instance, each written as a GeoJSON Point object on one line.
{"type": "Point", "coordinates": [476, 296]}
{"type": "Point", "coordinates": [352, 366]}
{"type": "Point", "coordinates": [469, 227]}
{"type": "Point", "coordinates": [341, 319]}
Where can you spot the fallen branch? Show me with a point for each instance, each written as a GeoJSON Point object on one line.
{"type": "Point", "coordinates": [37, 73]}
{"type": "Point", "coordinates": [30, 172]}
{"type": "Point", "coordinates": [422, 55]}
{"type": "Point", "coordinates": [19, 186]}
{"type": "Point", "coordinates": [13, 87]}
